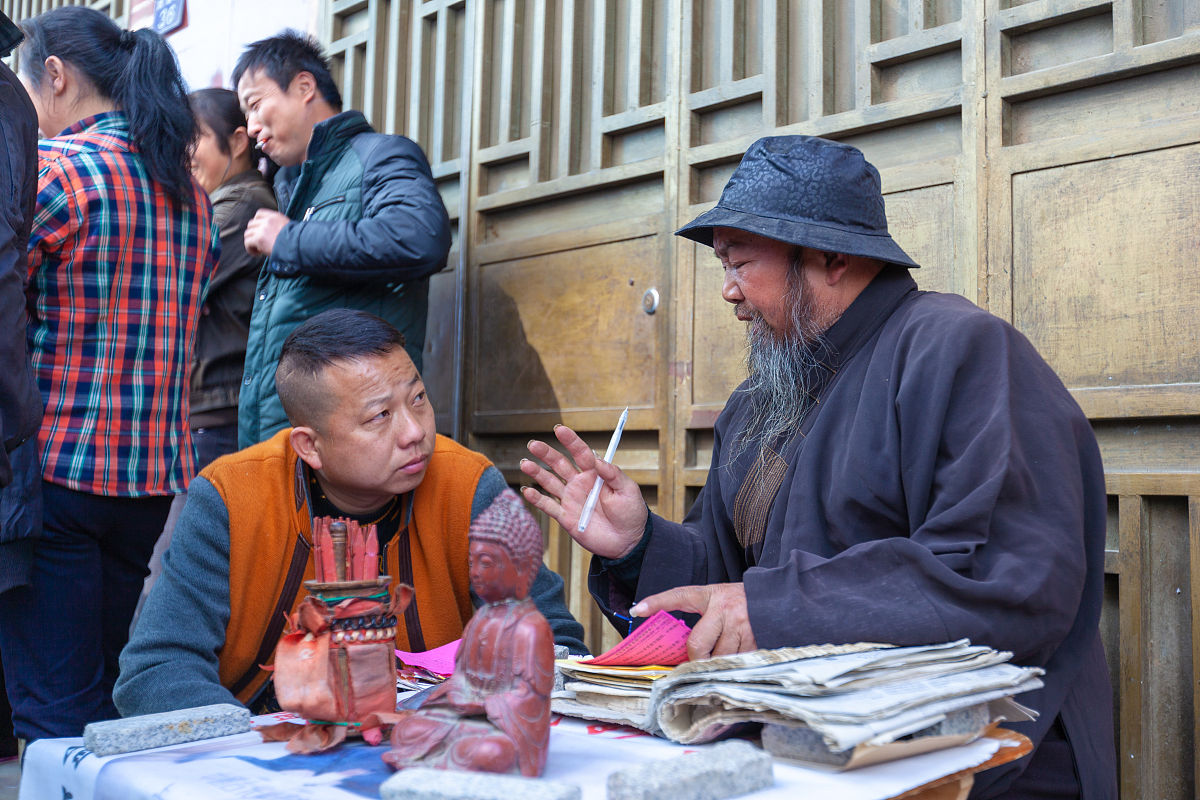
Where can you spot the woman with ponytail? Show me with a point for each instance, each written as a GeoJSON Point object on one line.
{"type": "Point", "coordinates": [120, 253]}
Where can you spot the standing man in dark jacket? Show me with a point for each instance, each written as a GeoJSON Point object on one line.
{"type": "Point", "coordinates": [20, 402]}
{"type": "Point", "coordinates": [364, 226]}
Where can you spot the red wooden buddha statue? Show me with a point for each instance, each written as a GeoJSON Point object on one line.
{"type": "Point", "coordinates": [493, 713]}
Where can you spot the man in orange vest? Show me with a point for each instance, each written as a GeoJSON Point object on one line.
{"type": "Point", "coordinates": [362, 446]}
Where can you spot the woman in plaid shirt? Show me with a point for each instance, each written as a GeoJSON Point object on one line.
{"type": "Point", "coordinates": [120, 253]}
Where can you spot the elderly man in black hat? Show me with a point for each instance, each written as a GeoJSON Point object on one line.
{"type": "Point", "coordinates": [899, 466]}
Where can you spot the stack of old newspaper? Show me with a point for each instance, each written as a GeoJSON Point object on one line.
{"type": "Point", "coordinates": [828, 703]}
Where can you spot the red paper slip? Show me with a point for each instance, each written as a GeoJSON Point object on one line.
{"type": "Point", "coordinates": [662, 640]}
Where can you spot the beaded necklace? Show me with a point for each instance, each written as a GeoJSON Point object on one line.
{"type": "Point", "coordinates": [386, 520]}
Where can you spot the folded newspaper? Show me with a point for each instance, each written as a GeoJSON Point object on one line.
{"type": "Point", "coordinates": [832, 704]}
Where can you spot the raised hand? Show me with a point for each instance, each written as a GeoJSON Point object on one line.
{"type": "Point", "coordinates": [619, 517]}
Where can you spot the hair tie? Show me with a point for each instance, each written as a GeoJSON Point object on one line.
{"type": "Point", "coordinates": [128, 40]}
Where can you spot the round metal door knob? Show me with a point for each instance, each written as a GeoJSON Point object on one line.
{"type": "Point", "coordinates": [650, 301]}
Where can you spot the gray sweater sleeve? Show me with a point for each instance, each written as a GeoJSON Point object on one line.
{"type": "Point", "coordinates": [171, 660]}
{"type": "Point", "coordinates": [547, 590]}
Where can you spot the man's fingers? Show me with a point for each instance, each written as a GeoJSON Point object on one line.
{"type": "Point", "coordinates": [547, 480]}
{"type": "Point", "coordinates": [609, 472]}
{"type": "Point", "coordinates": [705, 636]}
{"type": "Point", "coordinates": [576, 446]}
{"type": "Point", "coordinates": [690, 599]}
{"type": "Point", "coordinates": [251, 237]}
{"type": "Point", "coordinates": [728, 604]}
{"type": "Point", "coordinates": [729, 640]}
{"type": "Point", "coordinates": [542, 503]}
{"type": "Point", "coordinates": [559, 464]}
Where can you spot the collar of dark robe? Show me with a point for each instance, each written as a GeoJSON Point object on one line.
{"type": "Point", "coordinates": [857, 324]}
{"type": "Point", "coordinates": [866, 315]}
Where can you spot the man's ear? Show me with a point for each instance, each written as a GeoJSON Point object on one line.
{"type": "Point", "coordinates": [836, 265]}
{"type": "Point", "coordinates": [305, 86]}
{"type": "Point", "coordinates": [304, 442]}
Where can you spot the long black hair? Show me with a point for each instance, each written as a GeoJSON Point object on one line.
{"type": "Point", "coordinates": [136, 70]}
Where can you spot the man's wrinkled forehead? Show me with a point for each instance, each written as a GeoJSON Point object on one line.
{"type": "Point", "coordinates": [730, 240]}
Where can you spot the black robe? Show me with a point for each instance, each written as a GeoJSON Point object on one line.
{"type": "Point", "coordinates": [945, 485]}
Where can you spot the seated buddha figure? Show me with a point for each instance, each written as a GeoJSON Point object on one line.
{"type": "Point", "coordinates": [493, 713]}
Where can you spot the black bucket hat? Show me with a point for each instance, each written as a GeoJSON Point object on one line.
{"type": "Point", "coordinates": [804, 191]}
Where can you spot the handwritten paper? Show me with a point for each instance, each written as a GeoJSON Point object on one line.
{"type": "Point", "coordinates": [662, 639]}
{"type": "Point", "coordinates": [439, 659]}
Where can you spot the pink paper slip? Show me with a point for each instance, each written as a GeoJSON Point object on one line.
{"type": "Point", "coordinates": [439, 659]}
{"type": "Point", "coordinates": [660, 640]}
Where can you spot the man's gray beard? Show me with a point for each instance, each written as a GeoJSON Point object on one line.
{"type": "Point", "coordinates": [783, 371]}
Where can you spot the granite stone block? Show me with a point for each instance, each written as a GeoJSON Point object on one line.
{"type": "Point", "coordinates": [801, 743]}
{"type": "Point", "coordinates": [560, 651]}
{"type": "Point", "coordinates": [724, 770]}
{"type": "Point", "coordinates": [170, 727]}
{"type": "Point", "coordinates": [421, 783]}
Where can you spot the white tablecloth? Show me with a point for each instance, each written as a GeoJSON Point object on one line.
{"type": "Point", "coordinates": [242, 767]}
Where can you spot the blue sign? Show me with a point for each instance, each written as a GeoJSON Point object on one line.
{"type": "Point", "coordinates": [168, 15]}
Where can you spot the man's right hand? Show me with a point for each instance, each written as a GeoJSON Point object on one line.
{"type": "Point", "coordinates": [619, 518]}
{"type": "Point", "coordinates": [262, 231]}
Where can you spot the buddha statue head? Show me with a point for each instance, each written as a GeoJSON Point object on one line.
{"type": "Point", "coordinates": [505, 550]}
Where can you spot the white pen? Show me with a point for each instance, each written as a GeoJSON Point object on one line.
{"type": "Point", "coordinates": [594, 494]}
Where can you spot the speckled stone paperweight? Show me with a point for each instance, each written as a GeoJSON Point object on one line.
{"type": "Point", "coordinates": [724, 770]}
{"type": "Point", "coordinates": [170, 727]}
{"type": "Point", "coordinates": [423, 783]}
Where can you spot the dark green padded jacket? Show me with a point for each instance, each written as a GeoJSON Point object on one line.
{"type": "Point", "coordinates": [368, 229]}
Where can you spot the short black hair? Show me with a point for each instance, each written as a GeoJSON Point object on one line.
{"type": "Point", "coordinates": [339, 334]}
{"type": "Point", "coordinates": [284, 56]}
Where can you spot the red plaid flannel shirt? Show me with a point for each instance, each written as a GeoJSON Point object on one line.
{"type": "Point", "coordinates": [117, 274]}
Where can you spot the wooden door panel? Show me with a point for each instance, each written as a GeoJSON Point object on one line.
{"type": "Point", "coordinates": [565, 331]}
{"type": "Point", "coordinates": [440, 357]}
{"type": "Point", "coordinates": [928, 226]}
{"type": "Point", "coordinates": [1104, 275]}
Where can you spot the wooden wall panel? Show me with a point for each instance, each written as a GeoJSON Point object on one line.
{"type": "Point", "coordinates": [1093, 124]}
{"type": "Point", "coordinates": [569, 230]}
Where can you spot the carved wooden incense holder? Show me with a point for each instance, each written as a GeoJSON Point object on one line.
{"type": "Point", "coordinates": [335, 664]}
